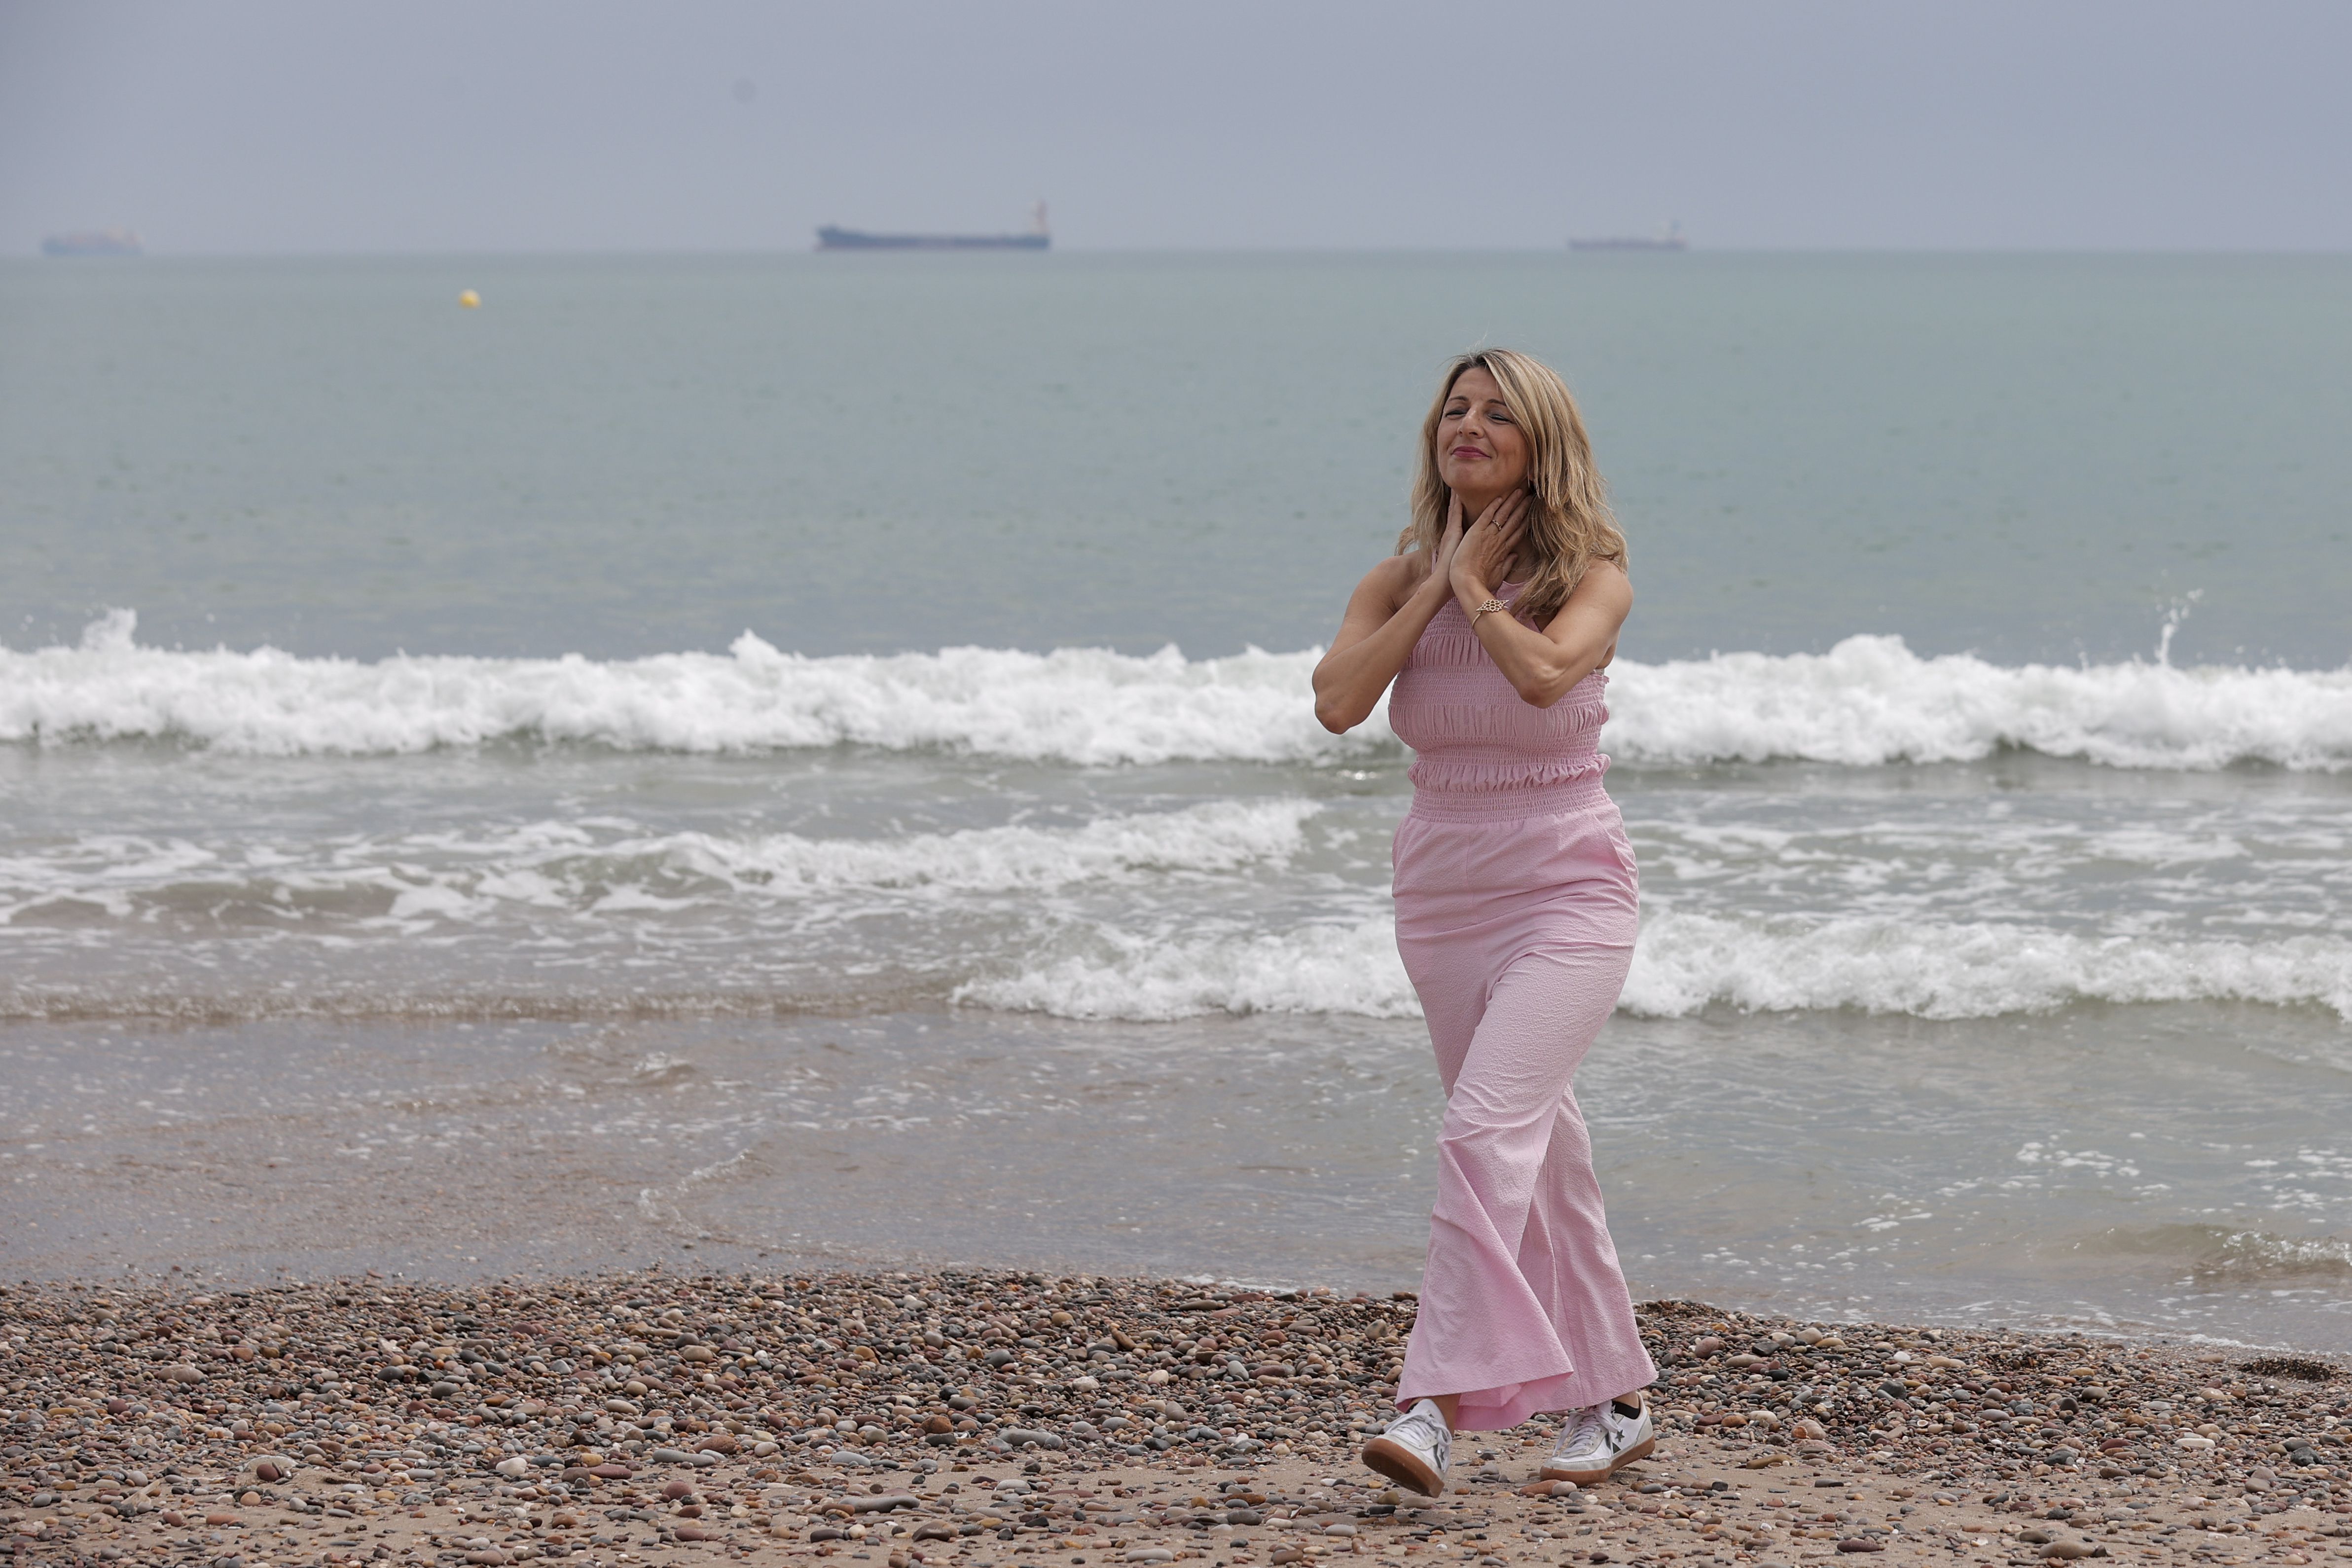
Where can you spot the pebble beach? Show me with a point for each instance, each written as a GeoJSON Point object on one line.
{"type": "Point", "coordinates": [984, 1420]}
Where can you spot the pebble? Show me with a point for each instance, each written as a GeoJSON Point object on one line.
{"type": "Point", "coordinates": [1016, 1436]}
{"type": "Point", "coordinates": [1984, 1404]}
{"type": "Point", "coordinates": [364, 1400]}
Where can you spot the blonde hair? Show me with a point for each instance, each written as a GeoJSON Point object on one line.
{"type": "Point", "coordinates": [1570, 526]}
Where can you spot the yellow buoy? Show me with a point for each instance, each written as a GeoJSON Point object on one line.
{"type": "Point", "coordinates": [470, 299]}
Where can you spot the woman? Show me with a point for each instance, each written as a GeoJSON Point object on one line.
{"type": "Point", "coordinates": [1515, 912]}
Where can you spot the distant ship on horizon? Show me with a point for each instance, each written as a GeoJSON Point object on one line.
{"type": "Point", "coordinates": [94, 242]}
{"type": "Point", "coordinates": [1038, 238]}
{"type": "Point", "coordinates": [1667, 238]}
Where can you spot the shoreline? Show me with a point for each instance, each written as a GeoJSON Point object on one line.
{"type": "Point", "coordinates": [648, 1416]}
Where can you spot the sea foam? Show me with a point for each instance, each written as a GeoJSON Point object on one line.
{"type": "Point", "coordinates": [1684, 964]}
{"type": "Point", "coordinates": [1086, 706]}
{"type": "Point", "coordinates": [1869, 701]}
{"type": "Point", "coordinates": [1978, 969]}
{"type": "Point", "coordinates": [1325, 968]}
{"type": "Point", "coordinates": [611, 868]}
{"type": "Point", "coordinates": [1216, 837]}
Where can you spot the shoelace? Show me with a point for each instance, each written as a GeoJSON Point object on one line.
{"type": "Point", "coordinates": [1414, 1422]}
{"type": "Point", "coordinates": [1582, 1430]}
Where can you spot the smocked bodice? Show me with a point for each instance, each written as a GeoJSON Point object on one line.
{"type": "Point", "coordinates": [1470, 731]}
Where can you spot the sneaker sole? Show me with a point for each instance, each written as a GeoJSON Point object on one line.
{"type": "Point", "coordinates": [1640, 1450]}
{"type": "Point", "coordinates": [1403, 1466]}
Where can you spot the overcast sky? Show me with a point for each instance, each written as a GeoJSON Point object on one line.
{"type": "Point", "coordinates": [259, 126]}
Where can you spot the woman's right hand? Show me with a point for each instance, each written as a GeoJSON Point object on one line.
{"type": "Point", "coordinates": [1490, 545]}
{"type": "Point", "coordinates": [1449, 539]}
{"type": "Point", "coordinates": [1386, 615]}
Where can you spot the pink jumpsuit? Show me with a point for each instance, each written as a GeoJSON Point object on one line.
{"type": "Point", "coordinates": [1516, 908]}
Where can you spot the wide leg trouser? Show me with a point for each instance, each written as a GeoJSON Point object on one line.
{"type": "Point", "coordinates": [1523, 1307]}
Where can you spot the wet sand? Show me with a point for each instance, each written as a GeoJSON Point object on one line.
{"type": "Point", "coordinates": [992, 1419]}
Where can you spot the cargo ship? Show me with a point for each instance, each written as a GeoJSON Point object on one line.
{"type": "Point", "coordinates": [1667, 238]}
{"type": "Point", "coordinates": [93, 242]}
{"type": "Point", "coordinates": [1038, 238]}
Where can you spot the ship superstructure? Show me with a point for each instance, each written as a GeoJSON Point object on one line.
{"type": "Point", "coordinates": [1667, 238]}
{"type": "Point", "coordinates": [1038, 238]}
{"type": "Point", "coordinates": [93, 242]}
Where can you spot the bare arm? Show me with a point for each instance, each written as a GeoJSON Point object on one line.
{"type": "Point", "coordinates": [1386, 615]}
{"type": "Point", "coordinates": [1541, 665]}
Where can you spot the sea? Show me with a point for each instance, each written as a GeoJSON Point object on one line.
{"type": "Point", "coordinates": [805, 760]}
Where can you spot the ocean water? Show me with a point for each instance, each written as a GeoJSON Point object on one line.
{"type": "Point", "coordinates": [809, 757]}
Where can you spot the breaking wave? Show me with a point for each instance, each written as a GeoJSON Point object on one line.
{"type": "Point", "coordinates": [1086, 706]}
{"type": "Point", "coordinates": [1869, 701]}
{"type": "Point", "coordinates": [1683, 964]}
{"type": "Point", "coordinates": [1318, 969]}
{"type": "Point", "coordinates": [1686, 963]}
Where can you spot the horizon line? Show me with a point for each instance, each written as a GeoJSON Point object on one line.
{"type": "Point", "coordinates": [31, 252]}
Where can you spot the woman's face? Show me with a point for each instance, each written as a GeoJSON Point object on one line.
{"type": "Point", "coordinates": [1480, 451]}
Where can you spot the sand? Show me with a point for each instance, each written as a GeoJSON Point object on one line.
{"type": "Point", "coordinates": [978, 1418]}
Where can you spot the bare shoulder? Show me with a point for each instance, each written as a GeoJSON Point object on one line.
{"type": "Point", "coordinates": [1605, 581]}
{"type": "Point", "coordinates": [1394, 580]}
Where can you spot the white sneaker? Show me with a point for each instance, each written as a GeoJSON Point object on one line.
{"type": "Point", "coordinates": [1413, 1451]}
{"type": "Point", "coordinates": [1598, 1440]}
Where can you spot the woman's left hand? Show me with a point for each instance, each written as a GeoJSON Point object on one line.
{"type": "Point", "coordinates": [1489, 548]}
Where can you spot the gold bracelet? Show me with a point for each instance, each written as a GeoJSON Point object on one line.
{"type": "Point", "coordinates": [1489, 607]}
